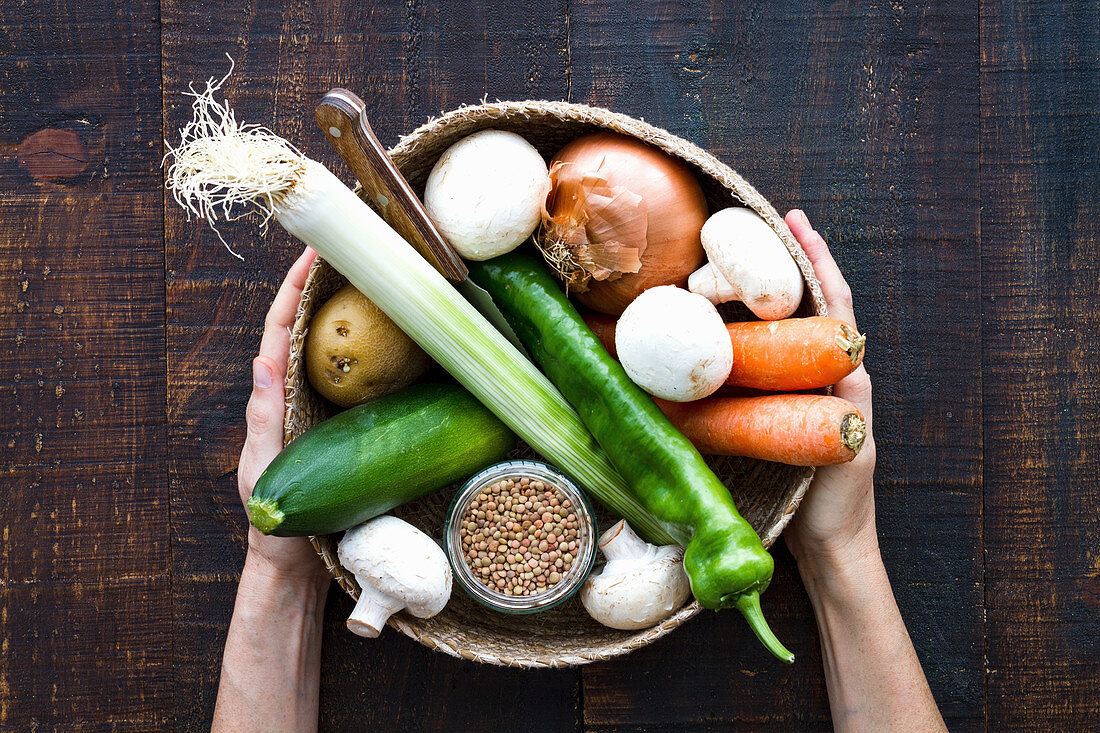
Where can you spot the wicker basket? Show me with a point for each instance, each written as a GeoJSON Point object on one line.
{"type": "Point", "coordinates": [767, 494]}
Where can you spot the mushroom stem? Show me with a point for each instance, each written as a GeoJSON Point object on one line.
{"type": "Point", "coordinates": [621, 541]}
{"type": "Point", "coordinates": [709, 282]}
{"type": "Point", "coordinates": [371, 612]}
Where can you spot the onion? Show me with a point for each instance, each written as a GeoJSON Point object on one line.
{"type": "Point", "coordinates": [621, 217]}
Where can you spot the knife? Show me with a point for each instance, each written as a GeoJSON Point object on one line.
{"type": "Point", "coordinates": [343, 118]}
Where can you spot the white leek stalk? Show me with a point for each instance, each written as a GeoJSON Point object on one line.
{"type": "Point", "coordinates": [221, 164]}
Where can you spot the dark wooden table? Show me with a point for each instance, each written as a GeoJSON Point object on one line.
{"type": "Point", "coordinates": [949, 150]}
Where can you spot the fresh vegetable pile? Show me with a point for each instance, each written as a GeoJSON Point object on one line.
{"type": "Point", "coordinates": [624, 395]}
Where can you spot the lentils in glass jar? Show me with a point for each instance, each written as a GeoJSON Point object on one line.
{"type": "Point", "coordinates": [520, 536]}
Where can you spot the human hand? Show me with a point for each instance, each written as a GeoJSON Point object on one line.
{"type": "Point", "coordinates": [271, 666]}
{"type": "Point", "coordinates": [836, 520]}
{"type": "Point", "coordinates": [289, 557]}
{"type": "Point", "coordinates": [872, 673]}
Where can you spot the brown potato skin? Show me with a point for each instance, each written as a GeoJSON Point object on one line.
{"type": "Point", "coordinates": [349, 330]}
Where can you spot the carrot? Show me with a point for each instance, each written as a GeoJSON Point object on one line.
{"type": "Point", "coordinates": [792, 354]}
{"type": "Point", "coordinates": [797, 429]}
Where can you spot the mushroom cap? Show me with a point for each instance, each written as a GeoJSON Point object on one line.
{"type": "Point", "coordinates": [754, 261]}
{"type": "Point", "coordinates": [673, 344]}
{"type": "Point", "coordinates": [640, 585]}
{"type": "Point", "coordinates": [398, 560]}
{"type": "Point", "coordinates": [486, 193]}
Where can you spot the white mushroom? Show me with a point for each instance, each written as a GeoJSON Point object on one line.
{"type": "Point", "coordinates": [673, 344]}
{"type": "Point", "coordinates": [397, 567]}
{"type": "Point", "coordinates": [486, 193]}
{"type": "Point", "coordinates": [640, 585]}
{"type": "Point", "coordinates": [748, 262]}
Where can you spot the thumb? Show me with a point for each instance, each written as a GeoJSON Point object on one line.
{"type": "Point", "coordinates": [264, 418]}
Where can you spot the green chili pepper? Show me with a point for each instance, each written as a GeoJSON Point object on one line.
{"type": "Point", "coordinates": [725, 561]}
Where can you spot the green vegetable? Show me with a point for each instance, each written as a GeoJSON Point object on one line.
{"type": "Point", "coordinates": [223, 168]}
{"type": "Point", "coordinates": [369, 459]}
{"type": "Point", "coordinates": [724, 559]}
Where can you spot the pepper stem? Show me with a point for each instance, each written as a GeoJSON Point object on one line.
{"type": "Point", "coordinates": [749, 606]}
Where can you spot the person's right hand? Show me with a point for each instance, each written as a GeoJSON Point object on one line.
{"type": "Point", "coordinates": [836, 519]}
{"type": "Point", "coordinates": [290, 557]}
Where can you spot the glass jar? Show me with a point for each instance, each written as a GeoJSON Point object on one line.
{"type": "Point", "coordinates": [584, 557]}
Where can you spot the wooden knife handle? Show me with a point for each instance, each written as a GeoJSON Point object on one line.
{"type": "Point", "coordinates": [341, 115]}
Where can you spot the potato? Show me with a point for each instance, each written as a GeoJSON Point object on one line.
{"type": "Point", "coordinates": [355, 353]}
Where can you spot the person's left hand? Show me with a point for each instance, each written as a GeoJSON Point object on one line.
{"type": "Point", "coordinates": [291, 557]}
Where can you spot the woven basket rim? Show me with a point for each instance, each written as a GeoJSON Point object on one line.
{"type": "Point", "coordinates": [703, 162]}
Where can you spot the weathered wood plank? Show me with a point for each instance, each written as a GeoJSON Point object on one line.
{"type": "Point", "coordinates": [865, 116]}
{"type": "Point", "coordinates": [1040, 71]}
{"type": "Point", "coordinates": [407, 61]}
{"type": "Point", "coordinates": [396, 684]}
{"type": "Point", "coordinates": [84, 601]}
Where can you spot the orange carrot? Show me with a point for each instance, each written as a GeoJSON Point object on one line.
{"type": "Point", "coordinates": [788, 355]}
{"type": "Point", "coordinates": [793, 354]}
{"type": "Point", "coordinates": [797, 429]}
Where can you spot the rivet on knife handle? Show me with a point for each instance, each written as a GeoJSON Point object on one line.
{"type": "Point", "coordinates": [340, 116]}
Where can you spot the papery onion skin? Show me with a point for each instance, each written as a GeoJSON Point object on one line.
{"type": "Point", "coordinates": [672, 203]}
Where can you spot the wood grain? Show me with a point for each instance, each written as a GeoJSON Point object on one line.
{"type": "Point", "coordinates": [950, 152]}
{"type": "Point", "coordinates": [866, 117]}
{"type": "Point", "coordinates": [84, 598]}
{"type": "Point", "coordinates": [1040, 67]}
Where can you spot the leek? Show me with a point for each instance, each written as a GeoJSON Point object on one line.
{"type": "Point", "coordinates": [222, 166]}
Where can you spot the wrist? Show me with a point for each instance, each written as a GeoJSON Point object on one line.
{"type": "Point", "coordinates": [288, 559]}
{"type": "Point", "coordinates": [271, 663]}
{"type": "Point", "coordinates": [266, 574]}
{"type": "Point", "coordinates": [265, 593]}
{"type": "Point", "coordinates": [834, 543]}
{"type": "Point", "coordinates": [843, 569]}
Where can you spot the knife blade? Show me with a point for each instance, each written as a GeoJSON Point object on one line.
{"type": "Point", "coordinates": [343, 119]}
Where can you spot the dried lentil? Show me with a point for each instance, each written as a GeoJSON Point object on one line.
{"type": "Point", "coordinates": [529, 519]}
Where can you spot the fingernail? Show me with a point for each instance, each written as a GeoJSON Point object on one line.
{"type": "Point", "coordinates": [802, 217]}
{"type": "Point", "coordinates": [261, 375]}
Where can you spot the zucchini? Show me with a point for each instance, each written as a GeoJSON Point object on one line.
{"type": "Point", "coordinates": [369, 459]}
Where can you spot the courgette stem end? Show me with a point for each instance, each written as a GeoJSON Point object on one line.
{"type": "Point", "coordinates": [749, 606]}
{"type": "Point", "coordinates": [264, 515]}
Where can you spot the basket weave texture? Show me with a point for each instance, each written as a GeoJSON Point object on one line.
{"type": "Point", "coordinates": [767, 494]}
